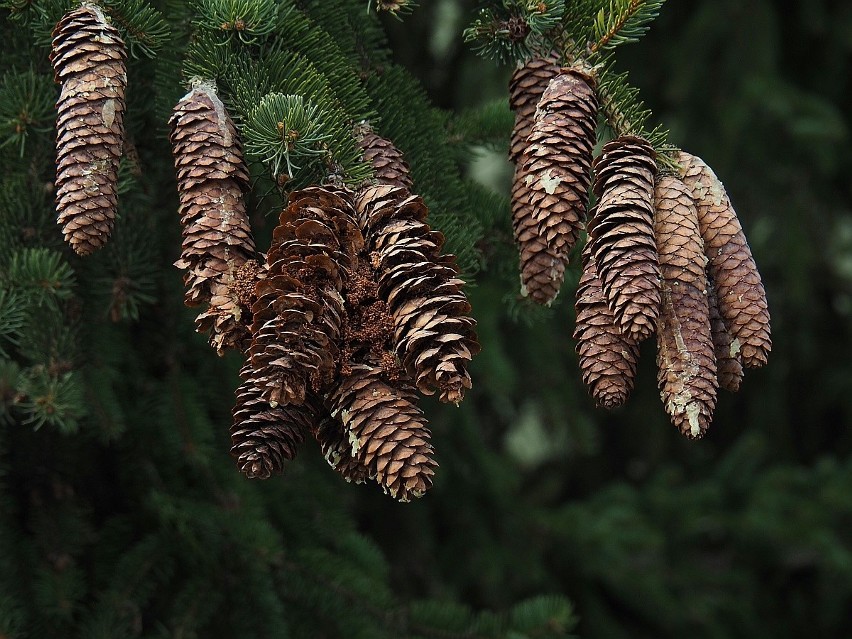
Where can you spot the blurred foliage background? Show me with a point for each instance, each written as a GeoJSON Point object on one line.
{"type": "Point", "coordinates": [141, 523]}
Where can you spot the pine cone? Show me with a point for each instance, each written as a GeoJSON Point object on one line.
{"type": "Point", "coordinates": [685, 358]}
{"type": "Point", "coordinates": [608, 359]}
{"type": "Point", "coordinates": [729, 366]}
{"type": "Point", "coordinates": [622, 234]}
{"type": "Point", "coordinates": [263, 437]}
{"type": "Point", "coordinates": [529, 80]}
{"type": "Point", "coordinates": [739, 289]}
{"type": "Point", "coordinates": [217, 239]}
{"type": "Point", "coordinates": [388, 162]}
{"type": "Point", "coordinates": [88, 58]}
{"type": "Point", "coordinates": [434, 335]}
{"type": "Point", "coordinates": [388, 432]}
{"type": "Point", "coordinates": [555, 168]}
{"type": "Point", "coordinates": [298, 312]}
{"type": "Point", "coordinates": [337, 450]}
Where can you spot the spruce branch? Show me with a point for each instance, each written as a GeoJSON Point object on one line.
{"type": "Point", "coordinates": [513, 30]}
{"type": "Point", "coordinates": [622, 22]}
{"type": "Point", "coordinates": [26, 107]}
{"type": "Point", "coordinates": [249, 21]}
{"type": "Point", "coordinates": [55, 400]}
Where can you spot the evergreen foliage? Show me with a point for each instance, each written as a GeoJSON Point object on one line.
{"type": "Point", "coordinates": [121, 514]}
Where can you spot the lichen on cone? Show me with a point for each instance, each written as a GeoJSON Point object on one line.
{"type": "Point", "coordinates": [739, 289]}
{"type": "Point", "coordinates": [298, 312]}
{"type": "Point", "coordinates": [434, 335]}
{"type": "Point", "coordinates": [217, 239]}
{"type": "Point", "coordinates": [607, 358]}
{"type": "Point", "coordinates": [622, 234]}
{"type": "Point", "coordinates": [686, 364]}
{"type": "Point", "coordinates": [388, 162]}
{"type": "Point", "coordinates": [337, 449]}
{"type": "Point", "coordinates": [387, 431]}
{"type": "Point", "coordinates": [89, 61]}
{"type": "Point", "coordinates": [263, 436]}
{"type": "Point", "coordinates": [555, 167]}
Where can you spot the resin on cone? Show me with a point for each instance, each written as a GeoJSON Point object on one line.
{"type": "Point", "coordinates": [686, 364]}
{"type": "Point", "coordinates": [739, 289]}
{"type": "Point", "coordinates": [608, 358]}
{"type": "Point", "coordinates": [622, 234]}
{"type": "Point", "coordinates": [217, 239]}
{"type": "Point", "coordinates": [337, 450]}
{"type": "Point", "coordinates": [89, 61]}
{"type": "Point", "coordinates": [555, 169]}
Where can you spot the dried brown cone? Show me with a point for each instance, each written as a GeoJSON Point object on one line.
{"type": "Point", "coordinates": [298, 308]}
{"type": "Point", "coordinates": [387, 431]}
{"type": "Point", "coordinates": [337, 449]}
{"type": "Point", "coordinates": [686, 365]}
{"type": "Point", "coordinates": [387, 161]}
{"type": "Point", "coordinates": [729, 366]}
{"type": "Point", "coordinates": [264, 437]}
{"type": "Point", "coordinates": [622, 234]}
{"type": "Point", "coordinates": [434, 335]}
{"type": "Point", "coordinates": [217, 239]}
{"type": "Point", "coordinates": [739, 289]}
{"type": "Point", "coordinates": [608, 358]}
{"type": "Point", "coordinates": [555, 169]}
{"type": "Point", "coordinates": [89, 61]}
{"type": "Point", "coordinates": [528, 82]}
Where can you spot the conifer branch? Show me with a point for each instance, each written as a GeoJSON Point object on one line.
{"type": "Point", "coordinates": [625, 21]}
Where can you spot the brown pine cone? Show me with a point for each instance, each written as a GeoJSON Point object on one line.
{"type": "Point", "coordinates": [555, 168]}
{"type": "Point", "coordinates": [297, 315]}
{"type": "Point", "coordinates": [217, 239]}
{"type": "Point", "coordinates": [685, 358]}
{"type": "Point", "coordinates": [387, 431]}
{"type": "Point", "coordinates": [264, 437]}
{"type": "Point", "coordinates": [729, 366]}
{"type": "Point", "coordinates": [528, 82]}
{"type": "Point", "coordinates": [434, 335]}
{"type": "Point", "coordinates": [88, 58]}
{"type": "Point", "coordinates": [337, 449]}
{"type": "Point", "coordinates": [608, 359]}
{"type": "Point", "coordinates": [739, 289]}
{"type": "Point", "coordinates": [622, 234]}
{"type": "Point", "coordinates": [387, 161]}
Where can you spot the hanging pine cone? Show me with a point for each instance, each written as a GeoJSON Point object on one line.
{"type": "Point", "coordinates": [297, 315]}
{"type": "Point", "coordinates": [729, 367]}
{"type": "Point", "coordinates": [622, 234]}
{"type": "Point", "coordinates": [433, 333]}
{"type": "Point", "coordinates": [526, 86]}
{"type": "Point", "coordinates": [88, 58]}
{"type": "Point", "coordinates": [337, 450]}
{"type": "Point", "coordinates": [264, 437]}
{"type": "Point", "coordinates": [217, 239]}
{"type": "Point", "coordinates": [387, 161]}
{"type": "Point", "coordinates": [555, 170]}
{"type": "Point", "coordinates": [739, 289]}
{"type": "Point", "coordinates": [388, 432]}
{"type": "Point", "coordinates": [685, 357]}
{"type": "Point", "coordinates": [608, 358]}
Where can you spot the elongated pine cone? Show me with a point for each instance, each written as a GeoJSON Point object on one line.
{"type": "Point", "coordinates": [387, 432]}
{"type": "Point", "coordinates": [264, 437]}
{"type": "Point", "coordinates": [555, 169]}
{"type": "Point", "coordinates": [608, 358]}
{"type": "Point", "coordinates": [622, 234]}
{"type": "Point", "coordinates": [297, 315]}
{"type": "Point", "coordinates": [433, 333]}
{"type": "Point", "coordinates": [217, 238]}
{"type": "Point", "coordinates": [387, 161]}
{"type": "Point", "coordinates": [685, 357]}
{"type": "Point", "coordinates": [88, 58]}
{"type": "Point", "coordinates": [729, 366]}
{"type": "Point", "coordinates": [528, 82]}
{"type": "Point", "coordinates": [739, 289]}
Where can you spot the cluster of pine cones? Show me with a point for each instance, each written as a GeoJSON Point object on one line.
{"type": "Point", "coordinates": [352, 310]}
{"type": "Point", "coordinates": [665, 255]}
